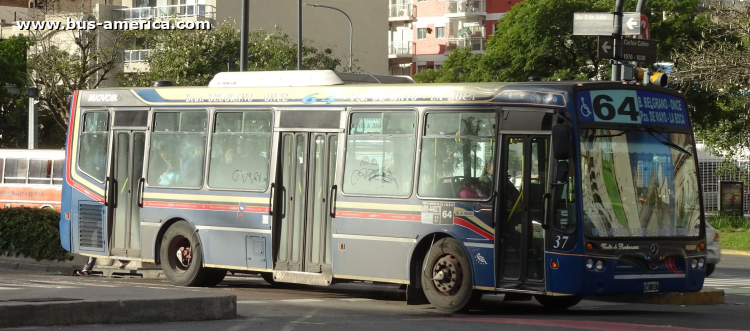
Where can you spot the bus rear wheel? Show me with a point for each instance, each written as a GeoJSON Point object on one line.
{"type": "Point", "coordinates": [447, 278]}
{"type": "Point", "coordinates": [181, 259]}
{"type": "Point", "coordinates": [558, 303]}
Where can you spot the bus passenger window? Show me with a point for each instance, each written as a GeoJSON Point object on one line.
{"type": "Point", "coordinates": [40, 171]}
{"type": "Point", "coordinates": [1, 170]}
{"type": "Point", "coordinates": [15, 171]}
{"type": "Point", "coordinates": [177, 151]}
{"type": "Point", "coordinates": [380, 153]}
{"type": "Point", "coordinates": [57, 172]}
{"type": "Point", "coordinates": [92, 157]}
{"type": "Point", "coordinates": [240, 150]}
{"type": "Point", "coordinates": [457, 155]}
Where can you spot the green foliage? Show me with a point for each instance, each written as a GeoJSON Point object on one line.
{"type": "Point", "coordinates": [12, 107]}
{"type": "Point", "coordinates": [729, 223]}
{"type": "Point", "coordinates": [192, 59]}
{"type": "Point", "coordinates": [735, 240]}
{"type": "Point", "coordinates": [31, 232]}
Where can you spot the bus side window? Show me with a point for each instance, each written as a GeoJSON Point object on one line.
{"type": "Point", "coordinates": [57, 172]}
{"type": "Point", "coordinates": [15, 171]}
{"type": "Point", "coordinates": [457, 155]}
{"type": "Point", "coordinates": [240, 150]}
{"type": "Point", "coordinates": [178, 148]}
{"type": "Point", "coordinates": [40, 171]}
{"type": "Point", "coordinates": [380, 153]}
{"type": "Point", "coordinates": [92, 158]}
{"type": "Point", "coordinates": [2, 169]}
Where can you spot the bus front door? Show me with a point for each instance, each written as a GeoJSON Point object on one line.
{"type": "Point", "coordinates": [302, 225]}
{"type": "Point", "coordinates": [123, 184]}
{"type": "Point", "coordinates": [521, 250]}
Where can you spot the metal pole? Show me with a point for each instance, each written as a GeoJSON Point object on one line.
{"type": "Point", "coordinates": [33, 94]}
{"type": "Point", "coordinates": [351, 31]}
{"type": "Point", "coordinates": [617, 47]}
{"type": "Point", "coordinates": [299, 36]}
{"type": "Point", "coordinates": [243, 35]}
{"type": "Point", "coordinates": [639, 10]}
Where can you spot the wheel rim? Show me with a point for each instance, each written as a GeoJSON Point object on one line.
{"type": "Point", "coordinates": [447, 275]}
{"type": "Point", "coordinates": [180, 254]}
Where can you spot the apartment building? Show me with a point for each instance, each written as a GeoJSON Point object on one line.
{"type": "Point", "coordinates": [423, 33]}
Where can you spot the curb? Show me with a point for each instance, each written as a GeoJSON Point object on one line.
{"type": "Point", "coordinates": [37, 268]}
{"type": "Point", "coordinates": [704, 297]}
{"type": "Point", "coordinates": [734, 252]}
{"type": "Point", "coordinates": [118, 311]}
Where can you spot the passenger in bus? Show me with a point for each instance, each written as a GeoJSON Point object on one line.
{"type": "Point", "coordinates": [192, 168]}
{"type": "Point", "coordinates": [487, 177]}
{"type": "Point", "coordinates": [471, 189]}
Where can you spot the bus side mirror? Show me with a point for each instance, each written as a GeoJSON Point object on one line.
{"type": "Point", "coordinates": [561, 176]}
{"type": "Point", "coordinates": [561, 142]}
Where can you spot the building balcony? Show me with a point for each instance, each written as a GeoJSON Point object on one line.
{"type": "Point", "coordinates": [402, 12]}
{"type": "Point", "coordinates": [175, 11]}
{"type": "Point", "coordinates": [461, 8]}
{"type": "Point", "coordinates": [400, 49]}
{"type": "Point", "coordinates": [133, 55]}
{"type": "Point", "coordinates": [475, 44]}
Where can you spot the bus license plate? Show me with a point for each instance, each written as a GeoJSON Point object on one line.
{"type": "Point", "coordinates": [650, 287]}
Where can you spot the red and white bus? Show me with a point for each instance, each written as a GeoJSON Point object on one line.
{"type": "Point", "coordinates": [31, 178]}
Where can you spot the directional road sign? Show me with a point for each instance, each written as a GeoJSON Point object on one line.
{"type": "Point", "coordinates": [632, 49]}
{"type": "Point", "coordinates": [594, 24]}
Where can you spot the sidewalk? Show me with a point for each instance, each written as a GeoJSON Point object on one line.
{"type": "Point", "coordinates": [36, 293]}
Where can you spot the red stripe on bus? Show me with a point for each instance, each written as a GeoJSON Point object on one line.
{"type": "Point", "coordinates": [472, 227]}
{"type": "Point", "coordinates": [393, 217]}
{"type": "Point", "coordinates": [201, 206]}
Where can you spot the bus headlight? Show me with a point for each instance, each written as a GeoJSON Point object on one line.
{"type": "Point", "coordinates": [589, 264]}
{"type": "Point", "coordinates": [701, 263]}
{"type": "Point", "coordinates": [694, 263]}
{"type": "Point", "coordinates": [599, 265]}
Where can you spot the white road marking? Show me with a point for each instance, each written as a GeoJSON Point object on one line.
{"type": "Point", "coordinates": [302, 300]}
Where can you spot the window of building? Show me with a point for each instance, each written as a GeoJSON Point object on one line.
{"type": "Point", "coordinates": [40, 171]}
{"type": "Point", "coordinates": [440, 32]}
{"type": "Point", "coordinates": [178, 148]}
{"type": "Point", "coordinates": [421, 33]}
{"type": "Point", "coordinates": [240, 150]}
{"type": "Point", "coordinates": [15, 170]}
{"type": "Point", "coordinates": [380, 153]}
{"type": "Point", "coordinates": [92, 157]}
{"type": "Point", "coordinates": [457, 155]}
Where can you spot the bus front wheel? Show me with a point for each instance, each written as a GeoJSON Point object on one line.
{"type": "Point", "coordinates": [558, 303]}
{"type": "Point", "coordinates": [181, 259]}
{"type": "Point", "coordinates": [447, 279]}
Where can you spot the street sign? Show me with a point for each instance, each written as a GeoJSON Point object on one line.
{"type": "Point", "coordinates": [645, 29]}
{"type": "Point", "coordinates": [640, 50]}
{"type": "Point", "coordinates": [594, 24]}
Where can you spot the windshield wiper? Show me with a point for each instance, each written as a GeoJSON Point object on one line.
{"type": "Point", "coordinates": [667, 142]}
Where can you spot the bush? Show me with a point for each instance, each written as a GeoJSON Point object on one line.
{"type": "Point", "coordinates": [31, 232]}
{"type": "Point", "coordinates": [729, 223]}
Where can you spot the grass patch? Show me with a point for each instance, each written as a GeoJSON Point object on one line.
{"type": "Point", "coordinates": [735, 240]}
{"type": "Point", "coordinates": [729, 223]}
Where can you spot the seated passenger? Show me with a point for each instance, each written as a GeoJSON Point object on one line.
{"type": "Point", "coordinates": [471, 189]}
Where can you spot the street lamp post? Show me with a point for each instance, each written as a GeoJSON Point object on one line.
{"type": "Point", "coordinates": [351, 29]}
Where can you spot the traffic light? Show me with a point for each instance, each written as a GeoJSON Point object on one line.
{"type": "Point", "coordinates": [646, 76]}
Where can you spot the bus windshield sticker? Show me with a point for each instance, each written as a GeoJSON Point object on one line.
{"type": "Point", "coordinates": [435, 212]}
{"type": "Point", "coordinates": [630, 106]}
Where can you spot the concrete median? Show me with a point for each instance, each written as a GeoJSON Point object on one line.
{"type": "Point", "coordinates": [78, 311]}
{"type": "Point", "coordinates": [704, 297]}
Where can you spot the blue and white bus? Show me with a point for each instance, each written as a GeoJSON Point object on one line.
{"type": "Point", "coordinates": [556, 190]}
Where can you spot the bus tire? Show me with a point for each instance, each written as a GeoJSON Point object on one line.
{"type": "Point", "coordinates": [214, 277]}
{"type": "Point", "coordinates": [189, 270]}
{"type": "Point", "coordinates": [268, 277]}
{"type": "Point", "coordinates": [447, 278]}
{"type": "Point", "coordinates": [558, 303]}
{"type": "Point", "coordinates": [710, 269]}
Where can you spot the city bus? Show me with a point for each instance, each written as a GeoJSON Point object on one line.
{"type": "Point", "coordinates": [551, 190]}
{"type": "Point", "coordinates": [31, 178]}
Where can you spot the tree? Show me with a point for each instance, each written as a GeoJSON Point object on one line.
{"type": "Point", "coordinates": [714, 72]}
{"type": "Point", "coordinates": [194, 58]}
{"type": "Point", "coordinates": [12, 107]}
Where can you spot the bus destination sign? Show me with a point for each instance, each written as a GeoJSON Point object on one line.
{"type": "Point", "coordinates": [630, 106]}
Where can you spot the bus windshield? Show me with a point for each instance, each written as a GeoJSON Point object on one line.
{"type": "Point", "coordinates": [639, 184]}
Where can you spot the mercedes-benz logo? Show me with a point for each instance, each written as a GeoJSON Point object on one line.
{"type": "Point", "coordinates": [653, 249]}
